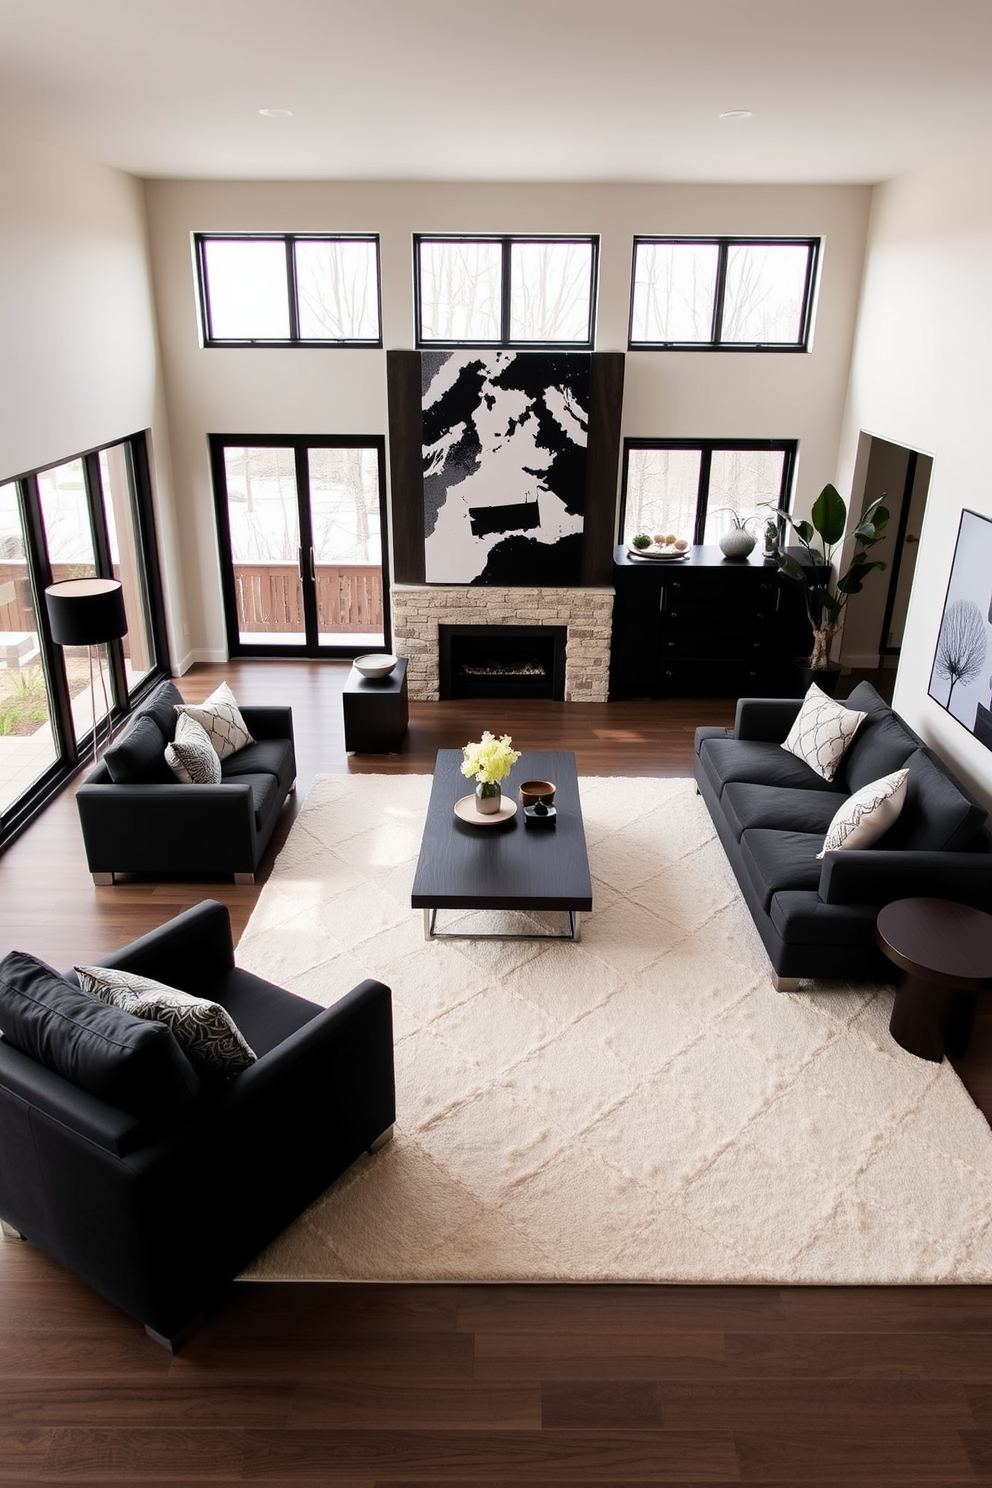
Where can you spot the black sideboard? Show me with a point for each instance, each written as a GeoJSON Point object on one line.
{"type": "Point", "coordinates": [705, 626]}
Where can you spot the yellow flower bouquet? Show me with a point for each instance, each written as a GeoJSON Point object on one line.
{"type": "Point", "coordinates": [490, 761]}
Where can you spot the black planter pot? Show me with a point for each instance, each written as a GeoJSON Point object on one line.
{"type": "Point", "coordinates": [826, 678]}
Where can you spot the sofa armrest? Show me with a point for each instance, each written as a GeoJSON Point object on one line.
{"type": "Point", "coordinates": [880, 875]}
{"type": "Point", "coordinates": [191, 823]}
{"type": "Point", "coordinates": [199, 938]}
{"type": "Point", "coordinates": [767, 720]}
{"type": "Point", "coordinates": [274, 722]}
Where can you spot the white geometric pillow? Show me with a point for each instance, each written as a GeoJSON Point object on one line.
{"type": "Point", "coordinates": [822, 731]}
{"type": "Point", "coordinates": [203, 1029]}
{"type": "Point", "coordinates": [220, 715]}
{"type": "Point", "coordinates": [191, 757]}
{"type": "Point", "coordinates": [867, 814]}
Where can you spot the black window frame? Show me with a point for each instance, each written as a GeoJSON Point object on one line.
{"type": "Point", "coordinates": [72, 754]}
{"type": "Point", "coordinates": [723, 244]}
{"type": "Point", "coordinates": [788, 447]}
{"type": "Point", "coordinates": [507, 242]}
{"type": "Point", "coordinates": [201, 239]}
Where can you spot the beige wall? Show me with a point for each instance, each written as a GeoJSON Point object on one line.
{"type": "Point", "coordinates": [80, 361]}
{"type": "Point", "coordinates": [920, 378]}
{"type": "Point", "coordinates": [316, 391]}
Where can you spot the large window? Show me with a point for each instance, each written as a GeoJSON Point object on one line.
{"type": "Point", "coordinates": [88, 515]}
{"type": "Point", "coordinates": [693, 488]}
{"type": "Point", "coordinates": [727, 294]}
{"type": "Point", "coordinates": [288, 289]}
{"type": "Point", "coordinates": [505, 291]}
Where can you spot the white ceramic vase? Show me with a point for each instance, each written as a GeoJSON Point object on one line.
{"type": "Point", "coordinates": [736, 542]}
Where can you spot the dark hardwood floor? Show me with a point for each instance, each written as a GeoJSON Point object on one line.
{"type": "Point", "coordinates": [467, 1385]}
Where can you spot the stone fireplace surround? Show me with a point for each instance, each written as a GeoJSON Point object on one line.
{"type": "Point", "coordinates": [587, 613]}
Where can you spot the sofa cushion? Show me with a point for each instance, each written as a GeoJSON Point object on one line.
{"type": "Point", "coordinates": [867, 815]}
{"type": "Point", "coordinates": [204, 1030]}
{"type": "Point", "coordinates": [261, 757]}
{"type": "Point", "coordinates": [191, 757]}
{"type": "Point", "coordinates": [786, 810]}
{"type": "Point", "coordinates": [220, 715]}
{"type": "Point", "coordinates": [822, 732]}
{"type": "Point", "coordinates": [161, 704]}
{"type": "Point", "coordinates": [138, 756]}
{"type": "Point", "coordinates": [781, 860]}
{"type": "Point", "coordinates": [128, 1062]}
{"type": "Point", "coordinates": [758, 763]}
{"type": "Point", "coordinates": [265, 794]}
{"type": "Point", "coordinates": [882, 744]}
{"type": "Point", "coordinates": [938, 815]}
{"type": "Point", "coordinates": [801, 917]}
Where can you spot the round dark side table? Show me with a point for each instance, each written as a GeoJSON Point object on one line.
{"type": "Point", "coordinates": [945, 953]}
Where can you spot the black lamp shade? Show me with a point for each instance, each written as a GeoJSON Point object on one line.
{"type": "Point", "coordinates": [85, 612]}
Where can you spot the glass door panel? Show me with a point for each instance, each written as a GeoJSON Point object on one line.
{"type": "Point", "coordinates": [120, 511]}
{"type": "Point", "coordinates": [27, 741]}
{"type": "Point", "coordinates": [263, 520]}
{"type": "Point", "coordinates": [65, 515]}
{"type": "Point", "coordinates": [346, 526]}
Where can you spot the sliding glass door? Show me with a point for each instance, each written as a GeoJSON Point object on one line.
{"type": "Point", "coordinates": [302, 534]}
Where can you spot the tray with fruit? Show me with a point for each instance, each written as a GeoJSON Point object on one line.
{"type": "Point", "coordinates": [664, 546]}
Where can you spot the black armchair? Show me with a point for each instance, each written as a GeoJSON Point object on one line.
{"type": "Point", "coordinates": [159, 1216]}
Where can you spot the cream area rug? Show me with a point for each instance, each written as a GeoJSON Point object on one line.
{"type": "Point", "coordinates": [641, 1106]}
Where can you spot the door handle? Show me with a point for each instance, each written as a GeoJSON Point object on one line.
{"type": "Point", "coordinates": [313, 567]}
{"type": "Point", "coordinates": [911, 539]}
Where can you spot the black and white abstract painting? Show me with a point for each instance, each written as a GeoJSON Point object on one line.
{"type": "Point", "coordinates": [961, 678]}
{"type": "Point", "coordinates": [505, 436]}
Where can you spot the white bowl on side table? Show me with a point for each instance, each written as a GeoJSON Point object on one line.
{"type": "Point", "coordinates": [375, 665]}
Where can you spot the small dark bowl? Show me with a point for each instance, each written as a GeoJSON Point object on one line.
{"type": "Point", "coordinates": [532, 791]}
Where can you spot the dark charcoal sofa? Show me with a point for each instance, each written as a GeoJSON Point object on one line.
{"type": "Point", "coordinates": [771, 810]}
{"type": "Point", "coordinates": [137, 818]}
{"type": "Point", "coordinates": [156, 1186]}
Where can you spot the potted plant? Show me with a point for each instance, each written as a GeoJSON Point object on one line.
{"type": "Point", "coordinates": [827, 595]}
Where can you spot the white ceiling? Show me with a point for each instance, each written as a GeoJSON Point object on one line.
{"type": "Point", "coordinates": [542, 90]}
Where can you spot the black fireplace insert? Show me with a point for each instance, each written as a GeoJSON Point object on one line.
{"type": "Point", "coordinates": [502, 661]}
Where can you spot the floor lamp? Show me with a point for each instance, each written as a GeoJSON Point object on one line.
{"type": "Point", "coordinates": [88, 612]}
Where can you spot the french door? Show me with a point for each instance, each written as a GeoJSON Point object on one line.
{"type": "Point", "coordinates": [301, 526]}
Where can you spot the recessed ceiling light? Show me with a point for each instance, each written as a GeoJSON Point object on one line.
{"type": "Point", "coordinates": [276, 113]}
{"type": "Point", "coordinates": [734, 114]}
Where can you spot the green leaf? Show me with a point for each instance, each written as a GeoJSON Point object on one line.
{"type": "Point", "coordinates": [791, 568]}
{"type": "Point", "coordinates": [829, 515]}
{"type": "Point", "coordinates": [853, 580]}
{"type": "Point", "coordinates": [805, 531]}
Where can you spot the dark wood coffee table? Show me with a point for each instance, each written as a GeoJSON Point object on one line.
{"type": "Point", "coordinates": [509, 866]}
{"type": "Point", "coordinates": [945, 953]}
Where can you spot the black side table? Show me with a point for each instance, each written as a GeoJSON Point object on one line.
{"type": "Point", "coordinates": [376, 711]}
{"type": "Point", "coordinates": [945, 953]}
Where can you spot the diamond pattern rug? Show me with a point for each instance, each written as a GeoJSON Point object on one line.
{"type": "Point", "coordinates": [641, 1106]}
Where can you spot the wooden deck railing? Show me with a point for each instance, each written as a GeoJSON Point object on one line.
{"type": "Point", "coordinates": [270, 598]}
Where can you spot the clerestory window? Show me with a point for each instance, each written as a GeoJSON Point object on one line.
{"type": "Point", "coordinates": [722, 294]}
{"type": "Point", "coordinates": [505, 291]}
{"type": "Point", "coordinates": [289, 289]}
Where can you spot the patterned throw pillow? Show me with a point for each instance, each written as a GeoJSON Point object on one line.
{"type": "Point", "coordinates": [221, 717]}
{"type": "Point", "coordinates": [203, 1029]}
{"type": "Point", "coordinates": [822, 731]}
{"type": "Point", "coordinates": [867, 814]}
{"type": "Point", "coordinates": [191, 757]}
